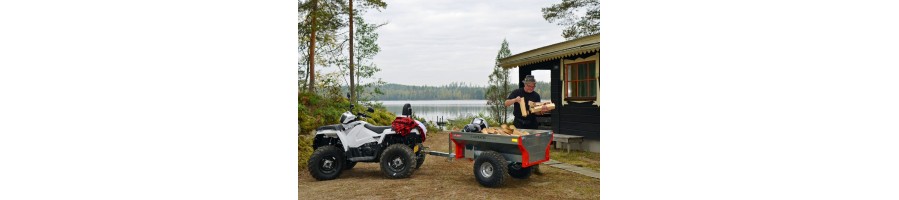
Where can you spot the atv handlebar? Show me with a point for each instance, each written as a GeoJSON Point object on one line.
{"type": "Point", "coordinates": [360, 115]}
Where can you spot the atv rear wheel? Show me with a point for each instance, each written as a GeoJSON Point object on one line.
{"type": "Point", "coordinates": [326, 163]}
{"type": "Point", "coordinates": [419, 157]}
{"type": "Point", "coordinates": [397, 161]}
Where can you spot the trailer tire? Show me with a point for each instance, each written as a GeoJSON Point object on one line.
{"type": "Point", "coordinates": [397, 161]}
{"type": "Point", "coordinates": [489, 169]}
{"type": "Point", "coordinates": [326, 163]}
{"type": "Point", "coordinates": [516, 171]}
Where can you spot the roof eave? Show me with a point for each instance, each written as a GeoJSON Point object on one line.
{"type": "Point", "coordinates": [582, 45]}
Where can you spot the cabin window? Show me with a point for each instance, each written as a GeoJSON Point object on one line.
{"type": "Point", "coordinates": [580, 81]}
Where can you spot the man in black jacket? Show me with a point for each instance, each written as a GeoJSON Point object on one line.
{"type": "Point", "coordinates": [528, 93]}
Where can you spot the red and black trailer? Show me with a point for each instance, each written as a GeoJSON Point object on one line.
{"type": "Point", "coordinates": [495, 155]}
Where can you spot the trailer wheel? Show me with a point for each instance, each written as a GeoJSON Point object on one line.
{"type": "Point", "coordinates": [516, 171]}
{"type": "Point", "coordinates": [489, 169]}
{"type": "Point", "coordinates": [397, 161]}
{"type": "Point", "coordinates": [349, 165]}
{"type": "Point", "coordinates": [326, 163]}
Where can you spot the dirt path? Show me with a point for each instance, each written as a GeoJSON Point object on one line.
{"type": "Point", "coordinates": [439, 179]}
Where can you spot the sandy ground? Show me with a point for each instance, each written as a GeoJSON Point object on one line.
{"type": "Point", "coordinates": [441, 179]}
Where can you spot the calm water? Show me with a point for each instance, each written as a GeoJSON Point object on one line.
{"type": "Point", "coordinates": [431, 109]}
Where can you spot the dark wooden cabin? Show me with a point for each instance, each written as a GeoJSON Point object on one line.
{"type": "Point", "coordinates": [574, 68]}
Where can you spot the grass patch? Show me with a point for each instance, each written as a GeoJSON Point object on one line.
{"type": "Point", "coordinates": [583, 159]}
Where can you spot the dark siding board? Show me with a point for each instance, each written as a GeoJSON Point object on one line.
{"type": "Point", "coordinates": [556, 87]}
{"type": "Point", "coordinates": [588, 130]}
{"type": "Point", "coordinates": [555, 120]}
{"type": "Point", "coordinates": [580, 126]}
{"type": "Point", "coordinates": [570, 110]}
{"type": "Point", "coordinates": [542, 120]}
{"type": "Point", "coordinates": [590, 119]}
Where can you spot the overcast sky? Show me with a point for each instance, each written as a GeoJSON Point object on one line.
{"type": "Point", "coordinates": [436, 42]}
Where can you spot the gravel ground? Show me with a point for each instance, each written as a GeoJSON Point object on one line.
{"type": "Point", "coordinates": [441, 179]}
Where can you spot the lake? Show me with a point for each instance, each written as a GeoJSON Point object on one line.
{"type": "Point", "coordinates": [431, 109]}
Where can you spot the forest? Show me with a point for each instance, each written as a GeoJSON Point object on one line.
{"type": "Point", "coordinates": [452, 91]}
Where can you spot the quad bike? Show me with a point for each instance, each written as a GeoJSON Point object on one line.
{"type": "Point", "coordinates": [339, 147]}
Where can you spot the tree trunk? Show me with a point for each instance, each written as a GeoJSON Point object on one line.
{"type": "Point", "coordinates": [312, 47]}
{"type": "Point", "coordinates": [352, 70]}
{"type": "Point", "coordinates": [505, 91]}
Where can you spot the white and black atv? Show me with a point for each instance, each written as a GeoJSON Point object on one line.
{"type": "Point", "coordinates": [339, 147]}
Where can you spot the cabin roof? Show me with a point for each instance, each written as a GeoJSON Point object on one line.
{"type": "Point", "coordinates": [582, 45]}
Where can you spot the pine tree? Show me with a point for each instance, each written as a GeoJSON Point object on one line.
{"type": "Point", "coordinates": [498, 86]}
{"type": "Point", "coordinates": [576, 26]}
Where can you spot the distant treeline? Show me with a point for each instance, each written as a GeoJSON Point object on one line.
{"type": "Point", "coordinates": [452, 91]}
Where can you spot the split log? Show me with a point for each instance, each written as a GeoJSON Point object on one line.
{"type": "Point", "coordinates": [535, 104]}
{"type": "Point", "coordinates": [523, 106]}
{"type": "Point", "coordinates": [549, 107]}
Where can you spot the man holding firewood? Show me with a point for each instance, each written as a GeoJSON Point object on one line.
{"type": "Point", "coordinates": [526, 120]}
{"type": "Point", "coordinates": [523, 118]}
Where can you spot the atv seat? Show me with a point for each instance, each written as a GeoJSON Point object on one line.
{"type": "Point", "coordinates": [377, 129]}
{"type": "Point", "coordinates": [336, 127]}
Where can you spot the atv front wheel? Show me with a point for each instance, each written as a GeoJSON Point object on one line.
{"type": "Point", "coordinates": [397, 161]}
{"type": "Point", "coordinates": [349, 165]}
{"type": "Point", "coordinates": [326, 163]}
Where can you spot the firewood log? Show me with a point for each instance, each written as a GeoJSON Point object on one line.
{"type": "Point", "coordinates": [535, 104]}
{"type": "Point", "coordinates": [548, 107]}
{"type": "Point", "coordinates": [522, 105]}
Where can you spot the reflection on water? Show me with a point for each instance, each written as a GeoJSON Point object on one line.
{"type": "Point", "coordinates": [448, 109]}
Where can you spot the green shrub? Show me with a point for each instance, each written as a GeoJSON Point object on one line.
{"type": "Point", "coordinates": [305, 150]}
{"type": "Point", "coordinates": [314, 111]}
{"type": "Point", "coordinates": [381, 117]}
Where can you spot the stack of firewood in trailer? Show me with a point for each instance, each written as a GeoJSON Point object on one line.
{"type": "Point", "coordinates": [504, 130]}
